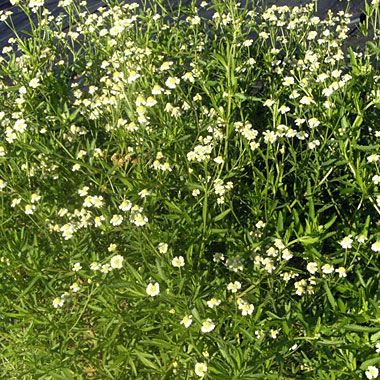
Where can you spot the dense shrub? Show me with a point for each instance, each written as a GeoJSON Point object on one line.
{"type": "Point", "coordinates": [189, 193]}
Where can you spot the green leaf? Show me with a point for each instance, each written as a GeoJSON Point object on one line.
{"type": "Point", "coordinates": [173, 207]}
{"type": "Point", "coordinates": [369, 362]}
{"type": "Point", "coordinates": [222, 215]}
{"type": "Point", "coordinates": [359, 328]}
{"type": "Point", "coordinates": [342, 305]}
{"type": "Point", "coordinates": [367, 148]}
{"type": "Point", "coordinates": [280, 222]}
{"type": "Point", "coordinates": [143, 357]}
{"type": "Point", "coordinates": [375, 337]}
{"type": "Point", "coordinates": [31, 284]}
{"type": "Point", "coordinates": [329, 295]}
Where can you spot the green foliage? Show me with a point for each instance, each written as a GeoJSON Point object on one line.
{"type": "Point", "coordinates": [188, 193]}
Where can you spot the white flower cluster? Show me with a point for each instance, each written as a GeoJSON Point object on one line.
{"type": "Point", "coordinates": [246, 130]}
{"type": "Point", "coordinates": [136, 217]}
{"type": "Point", "coordinates": [200, 153]}
{"type": "Point", "coordinates": [12, 134]}
{"type": "Point", "coordinates": [157, 165]}
{"type": "Point", "coordinates": [274, 254]}
{"type": "Point", "coordinates": [77, 220]}
{"type": "Point", "coordinates": [245, 307]}
{"type": "Point", "coordinates": [116, 262]}
{"type": "Point", "coordinates": [220, 189]}
{"type": "Point", "coordinates": [306, 286]}
{"type": "Point", "coordinates": [302, 286]}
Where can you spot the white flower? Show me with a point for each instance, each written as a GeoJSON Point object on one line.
{"type": "Point", "coordinates": [166, 65]}
{"type": "Point", "coordinates": [376, 246]}
{"type": "Point", "coordinates": [117, 262]}
{"type": "Point", "coordinates": [208, 325]}
{"type": "Point", "coordinates": [133, 75]}
{"type": "Point", "coordinates": [29, 209]}
{"type": "Point", "coordinates": [346, 242]}
{"type": "Point", "coordinates": [327, 91]}
{"type": "Point", "coordinates": [187, 320]}
{"type": "Point", "coordinates": [157, 90]}
{"type": "Point", "coordinates": [143, 193]}
{"type": "Point", "coordinates": [116, 30]}
{"type": "Point", "coordinates": [34, 197]}
{"type": "Point", "coordinates": [361, 238]}
{"type": "Point", "coordinates": [125, 205]}
{"type": "Point", "coordinates": [269, 136]}
{"type": "Point", "coordinates": [294, 95]}
{"type": "Point", "coordinates": [77, 267]}
{"type": "Point", "coordinates": [58, 302]}
{"type": "Point", "coordinates": [336, 73]}
{"type": "Point", "coordinates": [178, 262]}
{"type": "Point", "coordinates": [153, 289]}
{"type": "Point", "coordinates": [20, 126]}
{"type": "Point", "coordinates": [81, 154]}
{"type": "Point", "coordinates": [313, 144]}
{"type": "Point", "coordinates": [83, 191]}
{"type": "Point", "coordinates": [87, 202]}
{"type": "Point", "coordinates": [246, 309]}
{"type": "Point", "coordinates": [150, 101]}
{"type": "Point", "coordinates": [219, 160]}
{"type": "Point", "coordinates": [376, 179]}
{"type": "Point", "coordinates": [312, 267]}
{"type": "Point", "coordinates": [327, 268]}
{"type": "Point", "coordinates": [372, 372]}
{"type": "Point", "coordinates": [378, 348]}
{"type": "Point", "coordinates": [213, 302]}
{"type": "Point", "coordinates": [36, 3]}
{"type": "Point", "coordinates": [97, 201]}
{"type": "Point", "coordinates": [112, 247]}
{"type": "Point", "coordinates": [312, 35]}
{"type": "Point", "coordinates": [106, 268]}
{"type": "Point", "coordinates": [288, 81]}
{"type": "Point", "coordinates": [188, 77]}
{"type": "Point", "coordinates": [313, 122]}
{"type": "Point", "coordinates": [94, 266]}
{"type": "Point", "coordinates": [162, 247]}
{"type": "Point", "coordinates": [284, 109]}
{"type": "Point", "coordinates": [279, 244]}
{"type": "Point", "coordinates": [287, 254]}
{"type": "Point", "coordinates": [98, 220]}
{"type": "Point", "coordinates": [373, 157]}
{"type": "Point", "coordinates": [341, 271]}
{"type": "Point", "coordinates": [65, 3]}
{"type": "Point", "coordinates": [15, 202]}
{"type": "Point", "coordinates": [34, 83]}
{"type": "Point", "coordinates": [200, 369]}
{"type": "Point", "coordinates": [269, 103]}
{"type": "Point", "coordinates": [234, 287]}
{"type": "Point", "coordinates": [195, 192]}
{"type": "Point", "coordinates": [274, 333]}
{"type": "Point", "coordinates": [172, 82]}
{"type": "Point", "coordinates": [218, 257]}
{"type": "Point", "coordinates": [138, 219]}
{"type": "Point", "coordinates": [307, 100]}
{"type": "Point", "coordinates": [116, 220]}
{"type": "Point", "coordinates": [260, 224]}
{"type": "Point", "coordinates": [74, 287]}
